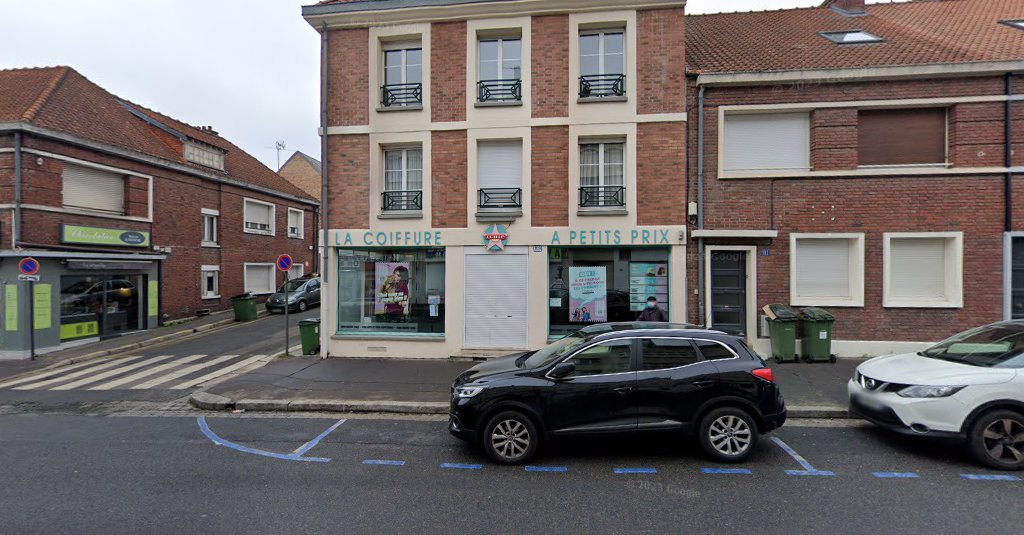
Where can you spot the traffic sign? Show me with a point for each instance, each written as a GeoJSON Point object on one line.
{"type": "Point", "coordinates": [29, 278]}
{"type": "Point", "coordinates": [284, 262]}
{"type": "Point", "coordinates": [30, 266]}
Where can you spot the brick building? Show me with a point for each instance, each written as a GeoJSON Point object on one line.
{"type": "Point", "coordinates": [133, 216]}
{"type": "Point", "coordinates": [304, 171]}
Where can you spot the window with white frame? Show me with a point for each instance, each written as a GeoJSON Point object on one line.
{"type": "Point", "coordinates": [210, 219]}
{"type": "Point", "coordinates": [602, 63]}
{"type": "Point", "coordinates": [499, 70]}
{"type": "Point", "coordinates": [210, 282]}
{"type": "Point", "coordinates": [259, 217]}
{"type": "Point", "coordinates": [923, 269]}
{"type": "Point", "coordinates": [296, 223]}
{"type": "Point", "coordinates": [403, 179]}
{"type": "Point", "coordinates": [500, 174]}
{"type": "Point", "coordinates": [602, 174]}
{"type": "Point", "coordinates": [296, 271]}
{"type": "Point", "coordinates": [766, 142]}
{"type": "Point", "coordinates": [403, 76]}
{"type": "Point", "coordinates": [259, 278]}
{"type": "Point", "coordinates": [827, 269]}
{"type": "Point", "coordinates": [203, 155]}
{"type": "Point", "coordinates": [91, 188]}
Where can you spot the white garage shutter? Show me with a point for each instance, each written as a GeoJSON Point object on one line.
{"type": "Point", "coordinates": [93, 189]}
{"type": "Point", "coordinates": [496, 301]}
{"type": "Point", "coordinates": [767, 142]}
{"type": "Point", "coordinates": [500, 164]}
{"type": "Point", "coordinates": [917, 268]}
{"type": "Point", "coordinates": [823, 268]}
{"type": "Point", "coordinates": [259, 278]}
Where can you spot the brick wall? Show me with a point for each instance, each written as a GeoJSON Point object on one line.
{"type": "Point", "coordinates": [550, 68]}
{"type": "Point", "coordinates": [348, 77]}
{"type": "Point", "coordinates": [298, 171]}
{"type": "Point", "coordinates": [448, 179]}
{"type": "Point", "coordinates": [834, 139]}
{"type": "Point", "coordinates": [448, 71]}
{"type": "Point", "coordinates": [348, 175]}
{"type": "Point", "coordinates": [550, 176]}
{"type": "Point", "coordinates": [661, 174]}
{"type": "Point", "coordinates": [661, 46]}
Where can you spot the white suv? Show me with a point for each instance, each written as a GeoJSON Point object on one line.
{"type": "Point", "coordinates": [970, 386]}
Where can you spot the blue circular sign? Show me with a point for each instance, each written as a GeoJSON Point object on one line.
{"type": "Point", "coordinates": [28, 266]}
{"type": "Point", "coordinates": [284, 262]}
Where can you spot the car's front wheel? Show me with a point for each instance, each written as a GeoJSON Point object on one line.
{"type": "Point", "coordinates": [510, 437]}
{"type": "Point", "coordinates": [997, 440]}
{"type": "Point", "coordinates": [728, 434]}
{"type": "Point", "coordinates": [302, 306]}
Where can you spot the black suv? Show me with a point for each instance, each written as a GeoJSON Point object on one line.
{"type": "Point", "coordinates": [620, 377]}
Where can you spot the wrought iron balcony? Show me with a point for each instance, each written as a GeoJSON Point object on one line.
{"type": "Point", "coordinates": [499, 90]}
{"type": "Point", "coordinates": [401, 95]}
{"type": "Point", "coordinates": [396, 201]}
{"type": "Point", "coordinates": [602, 85]}
{"type": "Point", "coordinates": [500, 198]}
{"type": "Point", "coordinates": [592, 196]}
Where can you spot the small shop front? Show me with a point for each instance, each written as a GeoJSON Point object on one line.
{"type": "Point", "coordinates": [484, 290]}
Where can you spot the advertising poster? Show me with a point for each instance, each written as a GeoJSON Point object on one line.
{"type": "Point", "coordinates": [645, 280]}
{"type": "Point", "coordinates": [588, 294]}
{"type": "Point", "coordinates": [392, 288]}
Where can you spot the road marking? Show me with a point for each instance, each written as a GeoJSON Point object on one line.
{"type": "Point", "coordinates": [146, 373]}
{"type": "Point", "coordinates": [79, 373]}
{"type": "Point", "coordinates": [546, 469]}
{"type": "Point", "coordinates": [51, 373]}
{"type": "Point", "coordinates": [895, 475]}
{"type": "Point", "coordinates": [309, 445]}
{"type": "Point", "coordinates": [182, 372]}
{"type": "Point", "coordinates": [635, 470]}
{"type": "Point", "coordinates": [808, 469]}
{"type": "Point", "coordinates": [245, 449]}
{"type": "Point", "coordinates": [725, 471]}
{"type": "Point", "coordinates": [458, 466]}
{"type": "Point", "coordinates": [383, 462]}
{"type": "Point", "coordinates": [111, 373]}
{"type": "Point", "coordinates": [218, 373]}
{"type": "Point", "coordinates": [990, 477]}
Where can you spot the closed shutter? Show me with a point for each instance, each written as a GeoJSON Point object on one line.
{"type": "Point", "coordinates": [767, 142]}
{"type": "Point", "coordinates": [917, 268]}
{"type": "Point", "coordinates": [93, 189]}
{"type": "Point", "coordinates": [902, 137]}
{"type": "Point", "coordinates": [295, 223]}
{"type": "Point", "coordinates": [823, 268]}
{"type": "Point", "coordinates": [496, 301]}
{"type": "Point", "coordinates": [258, 279]}
{"type": "Point", "coordinates": [258, 216]}
{"type": "Point", "coordinates": [500, 164]}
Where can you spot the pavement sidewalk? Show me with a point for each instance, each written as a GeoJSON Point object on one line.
{"type": "Point", "coordinates": [423, 386]}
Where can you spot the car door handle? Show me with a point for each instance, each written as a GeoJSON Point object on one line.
{"type": "Point", "coordinates": [703, 383]}
{"type": "Point", "coordinates": [623, 389]}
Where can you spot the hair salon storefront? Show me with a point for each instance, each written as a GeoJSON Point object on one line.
{"type": "Point", "coordinates": [490, 288]}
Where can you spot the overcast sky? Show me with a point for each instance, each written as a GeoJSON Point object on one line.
{"type": "Point", "coordinates": [249, 68]}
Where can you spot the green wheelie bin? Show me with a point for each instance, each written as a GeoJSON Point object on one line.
{"type": "Point", "coordinates": [782, 322]}
{"type": "Point", "coordinates": [245, 307]}
{"type": "Point", "coordinates": [309, 332]}
{"type": "Point", "coordinates": [816, 324]}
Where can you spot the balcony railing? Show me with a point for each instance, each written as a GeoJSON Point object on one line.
{"type": "Point", "coordinates": [401, 95]}
{"type": "Point", "coordinates": [499, 90]}
{"type": "Point", "coordinates": [602, 85]}
{"type": "Point", "coordinates": [397, 201]}
{"type": "Point", "coordinates": [592, 196]}
{"type": "Point", "coordinates": [500, 198]}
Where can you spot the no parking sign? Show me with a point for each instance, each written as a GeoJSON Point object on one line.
{"type": "Point", "coordinates": [284, 262]}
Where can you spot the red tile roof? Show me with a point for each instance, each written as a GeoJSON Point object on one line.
{"type": "Point", "coordinates": [61, 99]}
{"type": "Point", "coordinates": [915, 33]}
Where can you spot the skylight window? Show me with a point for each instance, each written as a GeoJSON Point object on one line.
{"type": "Point", "coordinates": [1019, 24]}
{"type": "Point", "coordinates": [851, 37]}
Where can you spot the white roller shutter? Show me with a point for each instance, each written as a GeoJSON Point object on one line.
{"type": "Point", "coordinates": [767, 142]}
{"type": "Point", "coordinates": [496, 301]}
{"type": "Point", "coordinates": [259, 278]}
{"type": "Point", "coordinates": [93, 189]}
{"type": "Point", "coordinates": [500, 164]}
{"type": "Point", "coordinates": [917, 268]}
{"type": "Point", "coordinates": [823, 268]}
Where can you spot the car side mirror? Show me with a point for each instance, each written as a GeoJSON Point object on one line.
{"type": "Point", "coordinates": [563, 369]}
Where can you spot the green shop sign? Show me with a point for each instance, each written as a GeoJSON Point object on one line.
{"type": "Point", "coordinates": [389, 239]}
{"type": "Point", "coordinates": [103, 236]}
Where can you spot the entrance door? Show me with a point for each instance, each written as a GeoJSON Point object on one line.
{"type": "Point", "coordinates": [729, 292]}
{"type": "Point", "coordinates": [496, 299]}
{"type": "Point", "coordinates": [1017, 279]}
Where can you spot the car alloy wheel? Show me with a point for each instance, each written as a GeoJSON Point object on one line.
{"type": "Point", "coordinates": [510, 438]}
{"type": "Point", "coordinates": [302, 306]}
{"type": "Point", "coordinates": [728, 434]}
{"type": "Point", "coordinates": [998, 440]}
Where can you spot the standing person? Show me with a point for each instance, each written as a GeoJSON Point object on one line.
{"type": "Point", "coordinates": [652, 312]}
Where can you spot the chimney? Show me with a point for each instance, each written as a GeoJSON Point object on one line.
{"type": "Point", "coordinates": [849, 8]}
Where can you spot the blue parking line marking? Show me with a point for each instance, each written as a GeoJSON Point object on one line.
{"type": "Point", "coordinates": [990, 477]}
{"type": "Point", "coordinates": [245, 449]}
{"type": "Point", "coordinates": [546, 469]}
{"type": "Point", "coordinates": [895, 475]}
{"type": "Point", "coordinates": [725, 471]}
{"type": "Point", "coordinates": [458, 466]}
{"type": "Point", "coordinates": [309, 445]}
{"type": "Point", "coordinates": [808, 469]}
{"type": "Point", "coordinates": [384, 462]}
{"type": "Point", "coordinates": [635, 470]}
{"type": "Point", "coordinates": [822, 473]}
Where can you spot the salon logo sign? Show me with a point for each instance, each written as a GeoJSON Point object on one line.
{"type": "Point", "coordinates": [496, 238]}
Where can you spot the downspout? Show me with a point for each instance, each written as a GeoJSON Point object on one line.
{"type": "Point", "coordinates": [700, 206]}
{"type": "Point", "coordinates": [16, 235]}
{"type": "Point", "coordinates": [324, 199]}
{"type": "Point", "coordinates": [1007, 154]}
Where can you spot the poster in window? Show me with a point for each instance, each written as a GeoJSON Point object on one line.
{"type": "Point", "coordinates": [392, 284]}
{"type": "Point", "coordinates": [588, 294]}
{"type": "Point", "coordinates": [646, 280]}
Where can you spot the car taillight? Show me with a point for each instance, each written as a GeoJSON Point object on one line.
{"type": "Point", "coordinates": [764, 373]}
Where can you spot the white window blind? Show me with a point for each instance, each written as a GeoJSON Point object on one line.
{"type": "Point", "coordinates": [767, 142]}
{"type": "Point", "coordinates": [500, 164]}
{"type": "Point", "coordinates": [823, 268]}
{"type": "Point", "coordinates": [259, 278]}
{"type": "Point", "coordinates": [917, 268]}
{"type": "Point", "coordinates": [259, 217]}
{"type": "Point", "coordinates": [93, 189]}
{"type": "Point", "coordinates": [295, 223]}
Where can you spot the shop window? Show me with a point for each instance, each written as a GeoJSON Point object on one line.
{"type": "Point", "coordinates": [259, 217]}
{"type": "Point", "coordinates": [923, 270]}
{"type": "Point", "coordinates": [900, 137]}
{"type": "Point", "coordinates": [259, 278]}
{"type": "Point", "coordinates": [210, 220]}
{"type": "Point", "coordinates": [595, 285]}
{"type": "Point", "coordinates": [99, 305]}
{"type": "Point", "coordinates": [391, 292]}
{"type": "Point", "coordinates": [94, 189]}
{"type": "Point", "coordinates": [211, 282]}
{"type": "Point", "coordinates": [766, 142]}
{"type": "Point", "coordinates": [827, 269]}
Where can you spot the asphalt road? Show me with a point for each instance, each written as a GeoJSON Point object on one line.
{"type": "Point", "coordinates": [80, 474]}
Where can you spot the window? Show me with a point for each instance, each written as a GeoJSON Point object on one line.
{"type": "Point", "coordinates": [663, 353]}
{"type": "Point", "coordinates": [851, 37]}
{"type": "Point", "coordinates": [259, 217]}
{"type": "Point", "coordinates": [923, 270]}
{"type": "Point", "coordinates": [203, 155]}
{"type": "Point", "coordinates": [602, 174]}
{"type": "Point", "coordinates": [500, 174]}
{"type": "Point", "coordinates": [608, 357]}
{"type": "Point", "coordinates": [714, 350]}
{"type": "Point", "coordinates": [296, 271]}
{"type": "Point", "coordinates": [259, 278]}
{"type": "Point", "coordinates": [210, 282]}
{"type": "Point", "coordinates": [403, 77]}
{"type": "Point", "coordinates": [766, 142]}
{"type": "Point", "coordinates": [391, 292]}
{"type": "Point", "coordinates": [602, 64]}
{"type": "Point", "coordinates": [296, 223]}
{"type": "Point", "coordinates": [210, 218]}
{"type": "Point", "coordinates": [827, 269]}
{"type": "Point", "coordinates": [90, 188]}
{"type": "Point", "coordinates": [403, 179]}
{"type": "Point", "coordinates": [500, 70]}
{"type": "Point", "coordinates": [893, 137]}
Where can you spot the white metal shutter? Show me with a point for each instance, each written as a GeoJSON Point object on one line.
{"type": "Point", "coordinates": [259, 214]}
{"type": "Point", "coordinates": [93, 189]}
{"type": "Point", "coordinates": [917, 268]}
{"type": "Point", "coordinates": [295, 223]}
{"type": "Point", "coordinates": [500, 164]}
{"type": "Point", "coordinates": [496, 301]}
{"type": "Point", "coordinates": [257, 279]}
{"type": "Point", "coordinates": [767, 142]}
{"type": "Point", "coordinates": [822, 267]}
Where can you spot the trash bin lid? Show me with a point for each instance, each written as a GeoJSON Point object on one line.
{"type": "Point", "coordinates": [782, 312]}
{"type": "Point", "coordinates": [242, 296]}
{"type": "Point", "coordinates": [816, 314]}
{"type": "Point", "coordinates": [310, 321]}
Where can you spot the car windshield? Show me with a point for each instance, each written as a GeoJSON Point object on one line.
{"type": "Point", "coordinates": [555, 350]}
{"type": "Point", "coordinates": [292, 286]}
{"type": "Point", "coordinates": [993, 346]}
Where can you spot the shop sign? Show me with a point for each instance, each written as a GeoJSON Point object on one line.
{"type": "Point", "coordinates": [612, 237]}
{"type": "Point", "coordinates": [430, 238]}
{"type": "Point", "coordinates": [496, 238]}
{"type": "Point", "coordinates": [103, 236]}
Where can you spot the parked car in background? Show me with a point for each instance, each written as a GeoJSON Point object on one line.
{"type": "Point", "coordinates": [302, 293]}
{"type": "Point", "coordinates": [620, 377]}
{"type": "Point", "coordinates": [969, 387]}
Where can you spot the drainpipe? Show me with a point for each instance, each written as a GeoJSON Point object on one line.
{"type": "Point", "coordinates": [700, 206]}
{"type": "Point", "coordinates": [324, 200]}
{"type": "Point", "coordinates": [16, 235]}
{"type": "Point", "coordinates": [1007, 158]}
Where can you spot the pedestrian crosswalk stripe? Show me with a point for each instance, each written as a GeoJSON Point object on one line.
{"type": "Point", "coordinates": [116, 371]}
{"type": "Point", "coordinates": [51, 373]}
{"type": "Point", "coordinates": [110, 385]}
{"type": "Point", "coordinates": [79, 373]}
{"type": "Point", "coordinates": [177, 374]}
{"type": "Point", "coordinates": [218, 373]}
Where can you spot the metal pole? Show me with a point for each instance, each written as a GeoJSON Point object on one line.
{"type": "Point", "coordinates": [286, 307]}
{"type": "Point", "coordinates": [324, 190]}
{"type": "Point", "coordinates": [32, 320]}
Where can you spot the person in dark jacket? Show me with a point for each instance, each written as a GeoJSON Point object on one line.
{"type": "Point", "coordinates": [653, 312]}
